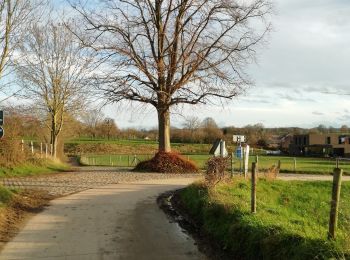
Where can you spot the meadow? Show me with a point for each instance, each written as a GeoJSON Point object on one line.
{"type": "Point", "coordinates": [303, 164]}
{"type": "Point", "coordinates": [291, 220]}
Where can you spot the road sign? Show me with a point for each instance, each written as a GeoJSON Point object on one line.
{"type": "Point", "coordinates": [1, 117]}
{"type": "Point", "coordinates": [238, 139]}
{"type": "Point", "coordinates": [219, 148]}
{"type": "Point", "coordinates": [1, 132]}
{"type": "Point", "coordinates": [239, 153]}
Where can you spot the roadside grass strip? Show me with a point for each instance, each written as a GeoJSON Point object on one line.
{"type": "Point", "coordinates": [291, 220]}
{"type": "Point", "coordinates": [33, 167]}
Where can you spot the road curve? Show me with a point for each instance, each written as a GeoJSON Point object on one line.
{"type": "Point", "coordinates": [117, 221]}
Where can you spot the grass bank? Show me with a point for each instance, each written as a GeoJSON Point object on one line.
{"type": "Point", "coordinates": [291, 220]}
{"type": "Point", "coordinates": [33, 167]}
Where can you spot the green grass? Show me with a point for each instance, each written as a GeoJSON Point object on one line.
{"type": "Point", "coordinates": [6, 195]}
{"type": "Point", "coordinates": [122, 146]}
{"type": "Point", "coordinates": [304, 164]}
{"type": "Point", "coordinates": [291, 220]}
{"type": "Point", "coordinates": [31, 168]}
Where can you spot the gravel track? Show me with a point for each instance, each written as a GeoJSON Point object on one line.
{"type": "Point", "coordinates": [84, 178]}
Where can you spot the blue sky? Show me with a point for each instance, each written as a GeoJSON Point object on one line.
{"type": "Point", "coordinates": [301, 77]}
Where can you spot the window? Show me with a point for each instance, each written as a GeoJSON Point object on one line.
{"type": "Point", "coordinates": [328, 140]}
{"type": "Point", "coordinates": [341, 140]}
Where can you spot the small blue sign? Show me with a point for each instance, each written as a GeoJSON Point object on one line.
{"type": "Point", "coordinates": [239, 152]}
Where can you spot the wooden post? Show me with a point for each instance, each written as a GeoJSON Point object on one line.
{"type": "Point", "coordinates": [110, 160]}
{"type": "Point", "coordinates": [41, 150]}
{"type": "Point", "coordinates": [45, 150]}
{"type": "Point", "coordinates": [278, 166]}
{"type": "Point", "coordinates": [22, 144]}
{"type": "Point", "coordinates": [295, 165]}
{"type": "Point", "coordinates": [337, 163]}
{"type": "Point", "coordinates": [257, 163]}
{"type": "Point", "coordinates": [32, 146]}
{"type": "Point", "coordinates": [128, 160]}
{"type": "Point", "coordinates": [253, 193]}
{"type": "Point", "coordinates": [231, 165]}
{"type": "Point", "coordinates": [333, 218]}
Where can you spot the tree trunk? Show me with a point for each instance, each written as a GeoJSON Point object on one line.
{"type": "Point", "coordinates": [53, 136]}
{"type": "Point", "coordinates": [164, 130]}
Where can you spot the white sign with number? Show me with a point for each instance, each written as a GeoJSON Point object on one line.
{"type": "Point", "coordinates": [238, 139]}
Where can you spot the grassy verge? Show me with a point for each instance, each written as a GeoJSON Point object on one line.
{"type": "Point", "coordinates": [33, 167]}
{"type": "Point", "coordinates": [291, 220]}
{"type": "Point", "coordinates": [15, 207]}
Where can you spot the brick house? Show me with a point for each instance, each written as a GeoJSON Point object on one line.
{"type": "Point", "coordinates": [320, 145]}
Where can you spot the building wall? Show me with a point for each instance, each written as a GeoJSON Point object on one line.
{"type": "Point", "coordinates": [318, 144]}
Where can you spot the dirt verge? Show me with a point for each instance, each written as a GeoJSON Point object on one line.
{"type": "Point", "coordinates": [23, 205]}
{"type": "Point", "coordinates": [173, 207]}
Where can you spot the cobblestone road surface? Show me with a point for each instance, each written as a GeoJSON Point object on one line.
{"type": "Point", "coordinates": [84, 178]}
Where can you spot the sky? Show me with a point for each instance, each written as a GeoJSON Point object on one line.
{"type": "Point", "coordinates": [301, 77]}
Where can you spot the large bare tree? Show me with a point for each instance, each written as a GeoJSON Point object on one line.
{"type": "Point", "coordinates": [53, 70]}
{"type": "Point", "coordinates": [171, 52]}
{"type": "Point", "coordinates": [15, 16]}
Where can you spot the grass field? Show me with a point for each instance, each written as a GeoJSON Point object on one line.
{"type": "Point", "coordinates": [291, 220]}
{"type": "Point", "coordinates": [303, 164]}
{"type": "Point", "coordinates": [37, 167]}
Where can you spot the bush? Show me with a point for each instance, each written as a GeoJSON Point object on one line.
{"type": "Point", "coordinates": [167, 163]}
{"type": "Point", "coordinates": [215, 173]}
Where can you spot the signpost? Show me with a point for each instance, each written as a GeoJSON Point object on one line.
{"type": "Point", "coordinates": [1, 117]}
{"type": "Point", "coordinates": [1, 123]}
{"type": "Point", "coordinates": [239, 139]}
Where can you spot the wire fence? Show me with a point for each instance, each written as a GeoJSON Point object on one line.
{"type": "Point", "coordinates": [287, 164]}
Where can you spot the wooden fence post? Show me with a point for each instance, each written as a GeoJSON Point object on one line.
{"type": "Point", "coordinates": [253, 193]}
{"type": "Point", "coordinates": [333, 218]}
{"type": "Point", "coordinates": [231, 165]}
{"type": "Point", "coordinates": [278, 166]}
{"type": "Point", "coordinates": [295, 165]}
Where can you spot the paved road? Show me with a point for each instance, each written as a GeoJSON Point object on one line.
{"type": "Point", "coordinates": [116, 221]}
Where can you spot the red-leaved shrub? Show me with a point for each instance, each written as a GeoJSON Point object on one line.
{"type": "Point", "coordinates": [167, 163]}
